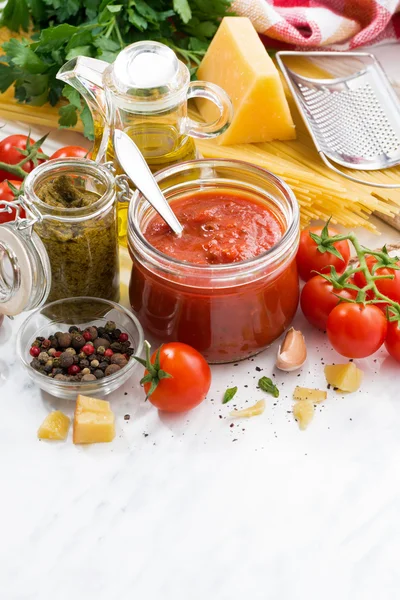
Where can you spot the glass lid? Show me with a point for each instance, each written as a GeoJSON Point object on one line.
{"type": "Point", "coordinates": [25, 276]}
{"type": "Point", "coordinates": [149, 72]}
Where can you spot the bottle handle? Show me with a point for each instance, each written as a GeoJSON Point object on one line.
{"type": "Point", "coordinates": [214, 93]}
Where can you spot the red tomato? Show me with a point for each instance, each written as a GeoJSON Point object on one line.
{"type": "Point", "coordinates": [71, 151]}
{"type": "Point", "coordinates": [318, 299]}
{"type": "Point", "coordinates": [392, 341]}
{"type": "Point", "coordinates": [356, 330]}
{"type": "Point", "coordinates": [10, 155]}
{"type": "Point", "coordinates": [7, 194]}
{"type": "Point", "coordinates": [310, 259]}
{"type": "Point", "coordinates": [189, 382]}
{"type": "Point", "coordinates": [387, 287]}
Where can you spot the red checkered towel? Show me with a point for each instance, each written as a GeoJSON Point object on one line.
{"type": "Point", "coordinates": [341, 24]}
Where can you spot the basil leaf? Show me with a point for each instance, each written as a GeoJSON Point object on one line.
{"type": "Point", "coordinates": [229, 394]}
{"type": "Point", "coordinates": [266, 385]}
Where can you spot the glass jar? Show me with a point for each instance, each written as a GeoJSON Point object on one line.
{"type": "Point", "coordinates": [227, 311]}
{"type": "Point", "coordinates": [56, 252]}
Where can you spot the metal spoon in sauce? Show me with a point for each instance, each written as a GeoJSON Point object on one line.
{"type": "Point", "coordinates": [133, 163]}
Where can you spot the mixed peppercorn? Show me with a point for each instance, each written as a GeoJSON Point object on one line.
{"type": "Point", "coordinates": [82, 355]}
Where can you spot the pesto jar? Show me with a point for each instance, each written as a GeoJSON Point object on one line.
{"type": "Point", "coordinates": [55, 251]}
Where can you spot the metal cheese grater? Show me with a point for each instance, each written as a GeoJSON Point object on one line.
{"type": "Point", "coordinates": [353, 117]}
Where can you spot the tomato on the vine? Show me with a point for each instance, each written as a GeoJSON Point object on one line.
{"type": "Point", "coordinates": [71, 151]}
{"type": "Point", "coordinates": [392, 342]}
{"type": "Point", "coordinates": [356, 330]}
{"type": "Point", "coordinates": [319, 297]}
{"type": "Point", "coordinates": [387, 287]}
{"type": "Point", "coordinates": [180, 377]}
{"type": "Point", "coordinates": [309, 258]}
{"type": "Point", "coordinates": [9, 154]}
{"type": "Point", "coordinates": [7, 194]}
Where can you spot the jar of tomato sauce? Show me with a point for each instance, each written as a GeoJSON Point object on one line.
{"type": "Point", "coordinates": [228, 286]}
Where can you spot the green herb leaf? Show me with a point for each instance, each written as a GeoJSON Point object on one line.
{"type": "Point", "coordinates": [16, 15]}
{"type": "Point", "coordinates": [229, 394]}
{"type": "Point", "coordinates": [23, 56]}
{"type": "Point", "coordinates": [88, 125]}
{"type": "Point", "coordinates": [137, 20]}
{"type": "Point", "coordinates": [266, 385]}
{"type": "Point", "coordinates": [73, 96]}
{"type": "Point", "coordinates": [183, 9]}
{"type": "Point", "coordinates": [7, 77]}
{"type": "Point", "coordinates": [114, 8]}
{"type": "Point", "coordinates": [68, 116]}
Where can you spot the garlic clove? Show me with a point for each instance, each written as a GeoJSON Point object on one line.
{"type": "Point", "coordinates": [292, 354]}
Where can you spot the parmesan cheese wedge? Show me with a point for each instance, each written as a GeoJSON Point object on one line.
{"type": "Point", "coordinates": [252, 411]}
{"type": "Point", "coordinates": [303, 412]}
{"type": "Point", "coordinates": [305, 394]}
{"type": "Point", "coordinates": [237, 61]}
{"type": "Point", "coordinates": [346, 378]}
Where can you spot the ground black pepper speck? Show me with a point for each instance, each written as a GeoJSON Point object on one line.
{"type": "Point", "coordinates": [127, 417]}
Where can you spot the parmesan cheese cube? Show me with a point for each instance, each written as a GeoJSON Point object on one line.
{"type": "Point", "coordinates": [94, 421]}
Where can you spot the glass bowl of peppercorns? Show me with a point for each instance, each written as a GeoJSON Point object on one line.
{"type": "Point", "coordinates": [80, 346]}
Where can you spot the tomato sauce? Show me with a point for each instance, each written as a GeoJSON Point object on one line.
{"type": "Point", "coordinates": [225, 321]}
{"type": "Point", "coordinates": [217, 229]}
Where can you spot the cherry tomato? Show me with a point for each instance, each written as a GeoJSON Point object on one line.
{"type": "Point", "coordinates": [319, 297]}
{"type": "Point", "coordinates": [9, 154]}
{"type": "Point", "coordinates": [392, 342]}
{"type": "Point", "coordinates": [310, 259]}
{"type": "Point", "coordinates": [356, 330]}
{"type": "Point", "coordinates": [7, 194]}
{"type": "Point", "coordinates": [387, 287]}
{"type": "Point", "coordinates": [189, 382]}
{"type": "Point", "coordinates": [71, 151]}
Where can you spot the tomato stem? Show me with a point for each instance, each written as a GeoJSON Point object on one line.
{"type": "Point", "coordinates": [383, 259]}
{"type": "Point", "coordinates": [154, 371]}
{"type": "Point", "coordinates": [32, 153]}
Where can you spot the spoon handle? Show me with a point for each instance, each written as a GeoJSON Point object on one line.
{"type": "Point", "coordinates": [134, 164]}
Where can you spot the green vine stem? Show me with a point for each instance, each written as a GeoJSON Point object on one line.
{"type": "Point", "coordinates": [32, 153]}
{"type": "Point", "coordinates": [325, 243]}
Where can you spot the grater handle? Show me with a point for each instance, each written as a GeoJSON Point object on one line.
{"type": "Point", "coordinates": [331, 166]}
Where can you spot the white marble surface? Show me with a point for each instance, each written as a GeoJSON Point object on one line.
{"type": "Point", "coordinates": [188, 507]}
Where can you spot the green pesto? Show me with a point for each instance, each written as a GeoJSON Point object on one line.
{"type": "Point", "coordinates": [83, 255]}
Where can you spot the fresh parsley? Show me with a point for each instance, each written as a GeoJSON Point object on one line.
{"type": "Point", "coordinates": [63, 29]}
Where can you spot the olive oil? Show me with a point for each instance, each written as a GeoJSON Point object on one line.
{"type": "Point", "coordinates": [161, 145]}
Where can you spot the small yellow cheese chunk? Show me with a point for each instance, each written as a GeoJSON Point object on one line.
{"type": "Point", "coordinates": [346, 378]}
{"type": "Point", "coordinates": [252, 411]}
{"type": "Point", "coordinates": [237, 61]}
{"type": "Point", "coordinates": [94, 421]}
{"type": "Point", "coordinates": [303, 412]}
{"type": "Point", "coordinates": [86, 404]}
{"type": "Point", "coordinates": [54, 427]}
{"type": "Point", "coordinates": [316, 396]}
{"type": "Point", "coordinates": [92, 428]}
